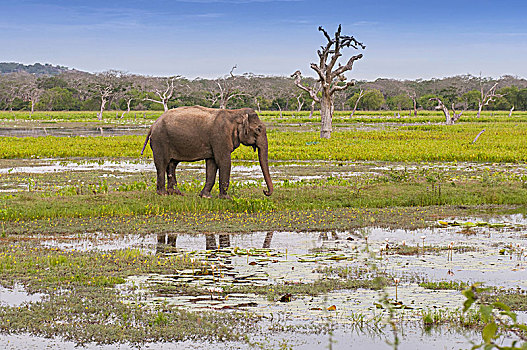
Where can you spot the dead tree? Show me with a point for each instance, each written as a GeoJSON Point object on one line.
{"type": "Point", "coordinates": [450, 120]}
{"type": "Point", "coordinates": [510, 112]}
{"type": "Point", "coordinates": [227, 89]}
{"type": "Point", "coordinates": [105, 85]}
{"type": "Point", "coordinates": [331, 79]}
{"type": "Point", "coordinates": [414, 100]}
{"type": "Point", "coordinates": [300, 102]}
{"type": "Point", "coordinates": [487, 97]}
{"type": "Point", "coordinates": [361, 93]}
{"type": "Point", "coordinates": [477, 137]}
{"type": "Point", "coordinates": [129, 100]}
{"type": "Point", "coordinates": [10, 88]}
{"type": "Point", "coordinates": [26, 88]}
{"type": "Point", "coordinates": [164, 94]}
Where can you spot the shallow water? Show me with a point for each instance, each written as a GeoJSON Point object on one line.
{"type": "Point", "coordinates": [411, 338]}
{"type": "Point", "coordinates": [17, 296]}
{"type": "Point", "coordinates": [245, 172]}
{"type": "Point", "coordinates": [290, 257]}
{"type": "Point", "coordinates": [53, 166]}
{"type": "Point", "coordinates": [296, 257]}
{"type": "Point", "coordinates": [73, 131]}
{"type": "Point", "coordinates": [494, 256]}
{"type": "Point", "coordinates": [99, 241]}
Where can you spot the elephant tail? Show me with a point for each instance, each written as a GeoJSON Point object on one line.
{"type": "Point", "coordinates": [146, 141]}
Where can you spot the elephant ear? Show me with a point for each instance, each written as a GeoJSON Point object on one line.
{"type": "Point", "coordinates": [245, 124]}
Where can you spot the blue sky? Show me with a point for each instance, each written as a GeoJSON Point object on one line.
{"type": "Point", "coordinates": [205, 38]}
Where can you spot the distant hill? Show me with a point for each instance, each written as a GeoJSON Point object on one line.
{"type": "Point", "coordinates": [37, 68]}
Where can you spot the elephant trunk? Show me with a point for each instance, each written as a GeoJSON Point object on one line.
{"type": "Point", "coordinates": [264, 164]}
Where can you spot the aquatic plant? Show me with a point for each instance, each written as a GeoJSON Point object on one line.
{"type": "Point", "coordinates": [499, 322]}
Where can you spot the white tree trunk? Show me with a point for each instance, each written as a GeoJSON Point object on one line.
{"type": "Point", "coordinates": [300, 105]}
{"type": "Point", "coordinates": [480, 107]}
{"type": "Point", "coordinates": [361, 93]}
{"type": "Point", "coordinates": [103, 103]}
{"type": "Point", "coordinates": [127, 107]}
{"type": "Point", "coordinates": [279, 108]}
{"type": "Point", "coordinates": [312, 109]}
{"type": "Point", "coordinates": [326, 114]}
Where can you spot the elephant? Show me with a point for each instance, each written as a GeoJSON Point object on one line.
{"type": "Point", "coordinates": [188, 134]}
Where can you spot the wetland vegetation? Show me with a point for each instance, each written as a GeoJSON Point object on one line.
{"type": "Point", "coordinates": [379, 228]}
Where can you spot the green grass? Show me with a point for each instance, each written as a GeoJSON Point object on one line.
{"type": "Point", "coordinates": [44, 269]}
{"type": "Point", "coordinates": [502, 142]}
{"type": "Point", "coordinates": [515, 299]}
{"type": "Point", "coordinates": [38, 205]}
{"type": "Point", "coordinates": [444, 285]}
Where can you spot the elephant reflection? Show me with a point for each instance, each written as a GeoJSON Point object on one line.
{"type": "Point", "coordinates": [224, 240]}
{"type": "Point", "coordinates": [325, 237]}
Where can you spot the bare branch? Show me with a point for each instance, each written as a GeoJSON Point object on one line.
{"type": "Point", "coordinates": [348, 65]}
{"type": "Point", "coordinates": [320, 72]}
{"type": "Point", "coordinates": [232, 70]}
{"type": "Point", "coordinates": [456, 115]}
{"type": "Point", "coordinates": [449, 120]}
{"type": "Point", "coordinates": [477, 137]}
{"type": "Point", "coordinates": [310, 90]}
{"type": "Point", "coordinates": [336, 87]}
{"type": "Point", "coordinates": [487, 97]}
{"type": "Point", "coordinates": [325, 33]}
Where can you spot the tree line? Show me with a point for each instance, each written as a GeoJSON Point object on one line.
{"type": "Point", "coordinates": [76, 90]}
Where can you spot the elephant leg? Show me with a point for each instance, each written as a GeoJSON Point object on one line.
{"type": "Point", "coordinates": [160, 184]}
{"type": "Point", "coordinates": [224, 164]}
{"type": "Point", "coordinates": [211, 171]}
{"type": "Point", "coordinates": [171, 176]}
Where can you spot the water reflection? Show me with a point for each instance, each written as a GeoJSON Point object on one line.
{"type": "Point", "coordinates": [224, 241]}
{"type": "Point", "coordinates": [324, 236]}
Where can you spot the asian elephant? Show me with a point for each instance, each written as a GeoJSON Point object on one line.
{"type": "Point", "coordinates": [196, 133]}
